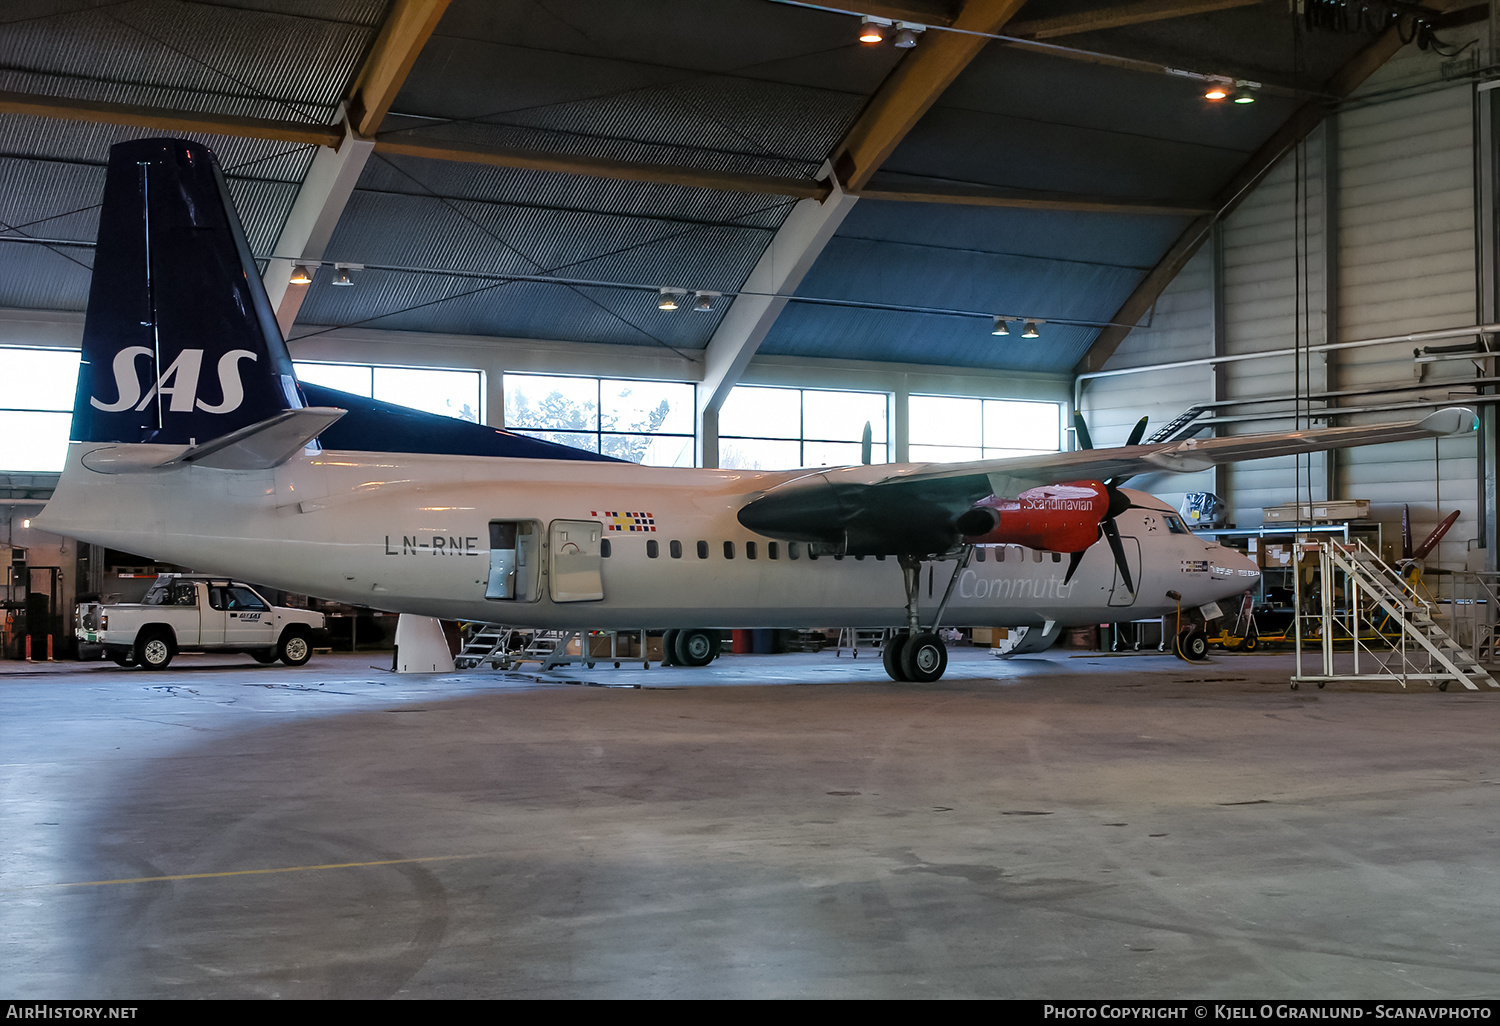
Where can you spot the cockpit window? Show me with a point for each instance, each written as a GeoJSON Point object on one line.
{"type": "Point", "coordinates": [1176, 526]}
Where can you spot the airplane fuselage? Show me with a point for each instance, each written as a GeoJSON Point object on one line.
{"type": "Point", "coordinates": [554, 543]}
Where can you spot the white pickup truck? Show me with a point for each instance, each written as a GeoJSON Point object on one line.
{"type": "Point", "coordinates": [189, 612]}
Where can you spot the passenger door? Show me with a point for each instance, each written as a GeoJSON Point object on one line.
{"type": "Point", "coordinates": [515, 560]}
{"type": "Point", "coordinates": [577, 562]}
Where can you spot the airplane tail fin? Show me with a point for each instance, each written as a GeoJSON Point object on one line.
{"type": "Point", "coordinates": [180, 344]}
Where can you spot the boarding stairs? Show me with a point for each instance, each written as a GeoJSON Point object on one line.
{"type": "Point", "coordinates": [1370, 580]}
{"type": "Point", "coordinates": [485, 643]}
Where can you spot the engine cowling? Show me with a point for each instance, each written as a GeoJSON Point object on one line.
{"type": "Point", "coordinates": [1057, 517]}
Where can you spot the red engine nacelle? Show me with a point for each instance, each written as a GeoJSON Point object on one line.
{"type": "Point", "coordinates": [1059, 517]}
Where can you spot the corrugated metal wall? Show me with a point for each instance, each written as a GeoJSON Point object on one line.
{"type": "Point", "coordinates": [1404, 228]}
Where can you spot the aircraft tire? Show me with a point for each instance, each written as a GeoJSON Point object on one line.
{"type": "Point", "coordinates": [1192, 644]}
{"type": "Point", "coordinates": [924, 658]}
{"type": "Point", "coordinates": [153, 649]}
{"type": "Point", "coordinates": [890, 656]}
{"type": "Point", "coordinates": [295, 648]}
{"type": "Point", "coordinates": [696, 647]}
{"type": "Point", "coordinates": [668, 648]}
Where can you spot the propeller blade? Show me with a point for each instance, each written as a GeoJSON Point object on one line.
{"type": "Point", "coordinates": [1430, 542]}
{"type": "Point", "coordinates": [1405, 532]}
{"type": "Point", "coordinates": [1112, 535]}
{"type": "Point", "coordinates": [1082, 430]}
{"type": "Point", "coordinates": [866, 441]}
{"type": "Point", "coordinates": [1073, 562]}
{"type": "Point", "coordinates": [1138, 432]}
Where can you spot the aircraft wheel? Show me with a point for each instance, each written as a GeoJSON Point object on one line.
{"type": "Point", "coordinates": [153, 650]}
{"type": "Point", "coordinates": [696, 647]}
{"type": "Point", "coordinates": [1192, 644]}
{"type": "Point", "coordinates": [890, 656]}
{"type": "Point", "coordinates": [924, 658]}
{"type": "Point", "coordinates": [295, 649]}
{"type": "Point", "coordinates": [668, 647]}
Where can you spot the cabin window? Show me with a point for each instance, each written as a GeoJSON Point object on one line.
{"type": "Point", "coordinates": [729, 550]}
{"type": "Point", "coordinates": [703, 550]}
{"type": "Point", "coordinates": [793, 550]}
{"type": "Point", "coordinates": [604, 548]}
{"type": "Point", "coordinates": [880, 558]}
{"type": "Point", "coordinates": [652, 549]}
{"type": "Point", "coordinates": [859, 557]}
{"type": "Point", "coordinates": [999, 553]}
{"type": "Point", "coordinates": [675, 548]}
{"type": "Point", "coordinates": [1037, 555]}
{"type": "Point", "coordinates": [749, 550]}
{"type": "Point", "coordinates": [838, 555]}
{"type": "Point", "coordinates": [979, 553]}
{"type": "Point", "coordinates": [773, 550]}
{"type": "Point", "coordinates": [1057, 557]}
{"type": "Point", "coordinates": [812, 552]}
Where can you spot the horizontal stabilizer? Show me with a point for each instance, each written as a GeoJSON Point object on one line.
{"type": "Point", "coordinates": [266, 444]}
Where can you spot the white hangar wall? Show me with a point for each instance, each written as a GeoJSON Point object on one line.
{"type": "Point", "coordinates": [1380, 241]}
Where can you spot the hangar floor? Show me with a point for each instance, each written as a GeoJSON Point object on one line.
{"type": "Point", "coordinates": [1070, 825]}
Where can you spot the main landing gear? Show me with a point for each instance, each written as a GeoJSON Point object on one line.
{"type": "Point", "coordinates": [917, 655]}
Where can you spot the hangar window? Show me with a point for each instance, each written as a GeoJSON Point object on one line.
{"type": "Point", "coordinates": [648, 422]}
{"type": "Point", "coordinates": [448, 393]}
{"type": "Point", "coordinates": [36, 408]}
{"type": "Point", "coordinates": [779, 428]}
{"type": "Point", "coordinates": [947, 429]}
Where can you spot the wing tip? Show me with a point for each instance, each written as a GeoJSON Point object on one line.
{"type": "Point", "coordinates": [1451, 420]}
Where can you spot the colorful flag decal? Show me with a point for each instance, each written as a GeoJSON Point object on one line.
{"type": "Point", "coordinates": [614, 521]}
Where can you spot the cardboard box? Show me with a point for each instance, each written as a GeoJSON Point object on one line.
{"type": "Point", "coordinates": [983, 636]}
{"type": "Point", "coordinates": [1334, 509]}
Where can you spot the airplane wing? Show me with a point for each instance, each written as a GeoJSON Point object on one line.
{"type": "Point", "coordinates": [911, 507]}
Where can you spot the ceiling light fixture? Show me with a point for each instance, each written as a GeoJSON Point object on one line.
{"type": "Point", "coordinates": [1001, 328]}
{"type": "Point", "coordinates": [906, 35]}
{"type": "Point", "coordinates": [667, 300]}
{"type": "Point", "coordinates": [704, 302]}
{"type": "Point", "coordinates": [301, 275]}
{"type": "Point", "coordinates": [1244, 92]}
{"type": "Point", "coordinates": [1217, 90]}
{"type": "Point", "coordinates": [1031, 331]}
{"type": "Point", "coordinates": [341, 277]}
{"type": "Point", "coordinates": [872, 30]}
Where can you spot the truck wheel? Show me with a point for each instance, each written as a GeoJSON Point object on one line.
{"type": "Point", "coordinates": [295, 649]}
{"type": "Point", "coordinates": [263, 655]}
{"type": "Point", "coordinates": [124, 658]}
{"type": "Point", "coordinates": [153, 649]}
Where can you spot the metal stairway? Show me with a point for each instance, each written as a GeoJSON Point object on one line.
{"type": "Point", "coordinates": [1385, 589]}
{"type": "Point", "coordinates": [485, 643]}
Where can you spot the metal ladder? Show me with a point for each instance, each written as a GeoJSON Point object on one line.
{"type": "Point", "coordinates": [1412, 613]}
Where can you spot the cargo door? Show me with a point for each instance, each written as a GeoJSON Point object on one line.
{"type": "Point", "coordinates": [515, 560]}
{"type": "Point", "coordinates": [577, 563]}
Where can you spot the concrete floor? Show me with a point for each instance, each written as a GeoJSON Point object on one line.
{"type": "Point", "coordinates": [1070, 825]}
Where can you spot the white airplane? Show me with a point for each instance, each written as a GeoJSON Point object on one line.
{"type": "Point", "coordinates": [192, 441]}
